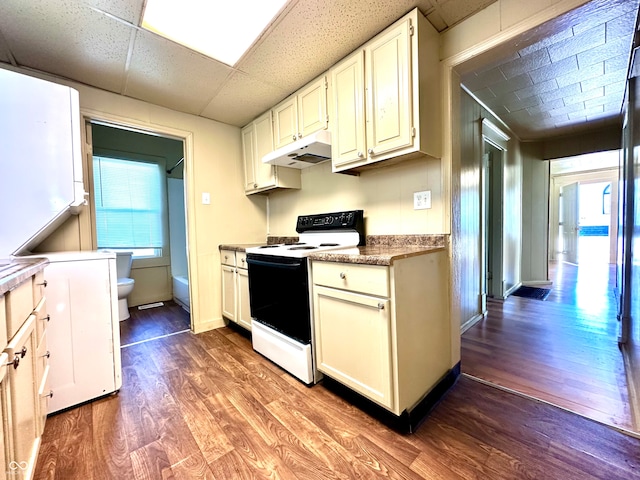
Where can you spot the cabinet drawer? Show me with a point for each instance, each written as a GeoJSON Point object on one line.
{"type": "Point", "coordinates": [228, 257]}
{"type": "Point", "coordinates": [371, 279]}
{"type": "Point", "coordinates": [39, 285]}
{"type": "Point", "coordinates": [44, 393]}
{"type": "Point", "coordinates": [241, 259]}
{"type": "Point", "coordinates": [19, 306]}
{"type": "Point", "coordinates": [42, 320]}
{"type": "Point", "coordinates": [42, 360]}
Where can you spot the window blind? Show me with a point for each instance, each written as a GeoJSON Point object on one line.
{"type": "Point", "coordinates": [128, 203]}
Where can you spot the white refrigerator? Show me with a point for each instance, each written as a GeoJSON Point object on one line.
{"type": "Point", "coordinates": [83, 335]}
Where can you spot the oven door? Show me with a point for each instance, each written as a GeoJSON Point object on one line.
{"type": "Point", "coordinates": [279, 294]}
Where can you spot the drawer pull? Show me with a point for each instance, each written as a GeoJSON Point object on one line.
{"type": "Point", "coordinates": [23, 352]}
{"type": "Point", "coordinates": [47, 355]}
{"type": "Point", "coordinates": [44, 284]}
{"type": "Point", "coordinates": [50, 394]}
{"type": "Point", "coordinates": [380, 306]}
{"type": "Point", "coordinates": [47, 318]}
{"type": "Point", "coordinates": [343, 275]}
{"type": "Point", "coordinates": [15, 362]}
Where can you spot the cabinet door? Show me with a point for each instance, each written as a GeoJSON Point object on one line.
{"type": "Point", "coordinates": [388, 71]}
{"type": "Point", "coordinates": [312, 108]}
{"type": "Point", "coordinates": [23, 398]}
{"type": "Point", "coordinates": [249, 156]}
{"type": "Point", "coordinates": [285, 123]}
{"type": "Point", "coordinates": [264, 173]}
{"type": "Point", "coordinates": [229, 292]}
{"type": "Point", "coordinates": [348, 122]}
{"type": "Point", "coordinates": [244, 309]}
{"type": "Point", "coordinates": [353, 337]}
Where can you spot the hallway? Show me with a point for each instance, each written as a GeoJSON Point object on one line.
{"type": "Point", "coordinates": [563, 350]}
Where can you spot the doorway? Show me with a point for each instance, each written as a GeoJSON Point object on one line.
{"type": "Point", "coordinates": [160, 263]}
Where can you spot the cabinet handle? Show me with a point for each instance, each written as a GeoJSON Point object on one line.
{"type": "Point", "coordinates": [242, 260]}
{"type": "Point", "coordinates": [44, 284]}
{"type": "Point", "coordinates": [23, 352]}
{"type": "Point", "coordinates": [15, 362]}
{"type": "Point", "coordinates": [47, 355]}
{"type": "Point", "coordinates": [255, 185]}
{"type": "Point", "coordinates": [47, 318]}
{"type": "Point", "coordinates": [294, 137]}
{"type": "Point", "coordinates": [380, 306]}
{"type": "Point", "coordinates": [343, 275]}
{"type": "Point", "coordinates": [50, 394]}
{"type": "Point", "coordinates": [360, 154]}
{"type": "Point", "coordinates": [299, 135]}
{"type": "Point", "coordinates": [370, 151]}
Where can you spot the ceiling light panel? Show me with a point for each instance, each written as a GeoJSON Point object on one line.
{"type": "Point", "coordinates": [219, 29]}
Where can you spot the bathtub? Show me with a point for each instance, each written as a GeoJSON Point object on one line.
{"type": "Point", "coordinates": [181, 291]}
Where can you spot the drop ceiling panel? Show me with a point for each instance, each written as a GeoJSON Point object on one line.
{"type": "Point", "coordinates": [129, 10]}
{"type": "Point", "coordinates": [237, 109]}
{"type": "Point", "coordinates": [167, 74]}
{"type": "Point", "coordinates": [66, 38]}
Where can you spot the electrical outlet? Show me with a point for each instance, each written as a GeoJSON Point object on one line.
{"type": "Point", "coordinates": [422, 200]}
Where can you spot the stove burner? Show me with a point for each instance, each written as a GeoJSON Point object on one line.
{"type": "Point", "coordinates": [329, 244]}
{"type": "Point", "coordinates": [269, 246]}
{"type": "Point", "coordinates": [308, 247]}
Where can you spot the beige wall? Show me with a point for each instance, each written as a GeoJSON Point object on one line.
{"type": "Point", "coordinates": [385, 195]}
{"type": "Point", "coordinates": [213, 164]}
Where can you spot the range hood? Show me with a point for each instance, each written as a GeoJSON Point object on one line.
{"type": "Point", "coordinates": [303, 153]}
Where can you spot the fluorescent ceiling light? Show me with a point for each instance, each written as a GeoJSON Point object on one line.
{"type": "Point", "coordinates": [221, 29]}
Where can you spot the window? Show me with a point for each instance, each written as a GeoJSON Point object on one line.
{"type": "Point", "coordinates": [129, 199]}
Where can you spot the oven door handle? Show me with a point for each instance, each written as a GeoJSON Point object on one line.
{"type": "Point", "coordinates": [287, 266]}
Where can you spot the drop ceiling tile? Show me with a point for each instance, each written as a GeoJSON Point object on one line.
{"type": "Point", "coordinates": [525, 64]}
{"type": "Point", "coordinates": [311, 38]}
{"type": "Point", "coordinates": [617, 46]}
{"type": "Point", "coordinates": [454, 11]}
{"type": "Point", "coordinates": [579, 43]}
{"type": "Point", "coordinates": [602, 12]}
{"type": "Point", "coordinates": [592, 71]}
{"type": "Point", "coordinates": [537, 88]}
{"type": "Point", "coordinates": [573, 89]}
{"type": "Point", "coordinates": [586, 112]}
{"type": "Point", "coordinates": [241, 99]}
{"type": "Point", "coordinates": [485, 95]}
{"type": "Point", "coordinates": [167, 74]}
{"type": "Point", "coordinates": [615, 88]}
{"type": "Point", "coordinates": [554, 70]}
{"type": "Point", "coordinates": [608, 101]}
{"type": "Point", "coordinates": [67, 38]}
{"type": "Point", "coordinates": [436, 20]}
{"type": "Point", "coordinates": [567, 109]}
{"type": "Point", "coordinates": [604, 80]}
{"type": "Point", "coordinates": [129, 10]}
{"type": "Point", "coordinates": [584, 96]}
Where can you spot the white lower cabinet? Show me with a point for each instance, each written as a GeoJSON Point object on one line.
{"type": "Point", "coordinates": [383, 331]}
{"type": "Point", "coordinates": [235, 288]}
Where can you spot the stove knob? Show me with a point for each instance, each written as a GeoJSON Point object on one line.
{"type": "Point", "coordinates": [328, 220]}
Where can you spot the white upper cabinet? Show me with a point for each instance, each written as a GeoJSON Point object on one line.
{"type": "Point", "coordinates": [301, 114]}
{"type": "Point", "coordinates": [257, 141]}
{"type": "Point", "coordinates": [386, 97]}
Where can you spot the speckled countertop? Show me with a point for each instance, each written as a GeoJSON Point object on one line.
{"type": "Point", "coordinates": [238, 247]}
{"type": "Point", "coordinates": [374, 254]}
{"type": "Point", "coordinates": [14, 272]}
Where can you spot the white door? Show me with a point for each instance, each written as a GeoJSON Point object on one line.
{"type": "Point", "coordinates": [570, 227]}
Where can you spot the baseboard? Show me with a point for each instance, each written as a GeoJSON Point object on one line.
{"type": "Point", "coordinates": [471, 322]}
{"type": "Point", "coordinates": [512, 289]}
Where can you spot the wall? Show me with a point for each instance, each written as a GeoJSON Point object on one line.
{"type": "Point", "coordinates": [535, 215]}
{"type": "Point", "coordinates": [385, 195]}
{"type": "Point", "coordinates": [212, 164]}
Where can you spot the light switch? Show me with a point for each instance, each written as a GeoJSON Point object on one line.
{"type": "Point", "coordinates": [206, 198]}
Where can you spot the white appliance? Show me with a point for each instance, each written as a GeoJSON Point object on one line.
{"type": "Point", "coordinates": [279, 294]}
{"type": "Point", "coordinates": [303, 153]}
{"type": "Point", "coordinates": [83, 335]}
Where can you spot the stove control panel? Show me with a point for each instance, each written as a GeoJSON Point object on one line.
{"type": "Point", "coordinates": [347, 220]}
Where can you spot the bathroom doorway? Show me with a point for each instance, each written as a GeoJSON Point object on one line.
{"type": "Point", "coordinates": [138, 204]}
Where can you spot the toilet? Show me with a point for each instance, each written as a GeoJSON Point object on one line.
{"type": "Point", "coordinates": [125, 284]}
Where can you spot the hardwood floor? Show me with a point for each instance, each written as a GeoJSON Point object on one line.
{"type": "Point", "coordinates": [153, 322]}
{"type": "Point", "coordinates": [208, 406]}
{"type": "Point", "coordinates": [563, 350]}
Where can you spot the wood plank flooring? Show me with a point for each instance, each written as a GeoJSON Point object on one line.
{"type": "Point", "coordinates": [153, 322]}
{"type": "Point", "coordinates": [563, 350]}
{"type": "Point", "coordinates": [208, 406]}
